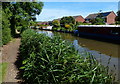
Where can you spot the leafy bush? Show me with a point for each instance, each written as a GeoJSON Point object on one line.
{"type": "Point", "coordinates": [56, 23]}
{"type": "Point", "coordinates": [56, 28]}
{"type": "Point", "coordinates": [67, 26]}
{"type": "Point", "coordinates": [6, 32]}
{"type": "Point", "coordinates": [67, 20]}
{"type": "Point", "coordinates": [98, 21]}
{"type": "Point", "coordinates": [80, 23]}
{"type": "Point", "coordinates": [117, 22]}
{"type": "Point", "coordinates": [55, 61]}
{"type": "Point", "coordinates": [118, 17]}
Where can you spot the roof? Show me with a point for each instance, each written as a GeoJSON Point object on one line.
{"type": "Point", "coordinates": [99, 26]}
{"type": "Point", "coordinates": [76, 16]}
{"type": "Point", "coordinates": [68, 16]}
{"type": "Point", "coordinates": [105, 14]}
{"type": "Point", "coordinates": [57, 19]}
{"type": "Point", "coordinates": [92, 16]}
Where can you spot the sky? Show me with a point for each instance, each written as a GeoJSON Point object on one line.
{"type": "Point", "coordinates": [54, 10]}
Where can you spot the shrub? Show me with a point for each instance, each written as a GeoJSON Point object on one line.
{"type": "Point", "coordinates": [55, 61]}
{"type": "Point", "coordinates": [6, 31]}
{"type": "Point", "coordinates": [80, 23]}
{"type": "Point", "coordinates": [67, 20]}
{"type": "Point", "coordinates": [57, 28]}
{"type": "Point", "coordinates": [67, 26]}
{"type": "Point", "coordinates": [56, 23]}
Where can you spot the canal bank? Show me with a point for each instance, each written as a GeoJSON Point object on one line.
{"type": "Point", "coordinates": [103, 51]}
{"type": "Point", "coordinates": [107, 33]}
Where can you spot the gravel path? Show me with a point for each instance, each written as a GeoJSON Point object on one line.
{"type": "Point", "coordinates": [9, 55]}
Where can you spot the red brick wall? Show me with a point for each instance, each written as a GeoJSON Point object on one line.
{"type": "Point", "coordinates": [80, 19]}
{"type": "Point", "coordinates": [111, 18]}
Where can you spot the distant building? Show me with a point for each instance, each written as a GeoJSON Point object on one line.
{"type": "Point", "coordinates": [50, 23]}
{"type": "Point", "coordinates": [109, 17]}
{"type": "Point", "coordinates": [57, 19]}
{"type": "Point", "coordinates": [43, 23]}
{"type": "Point", "coordinates": [79, 18]}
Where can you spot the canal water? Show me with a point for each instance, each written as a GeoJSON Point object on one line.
{"type": "Point", "coordinates": [108, 54]}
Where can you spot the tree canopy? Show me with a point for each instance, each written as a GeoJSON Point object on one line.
{"type": "Point", "coordinates": [118, 17]}
{"type": "Point", "coordinates": [18, 16]}
{"type": "Point", "coordinates": [56, 23]}
{"type": "Point", "coordinates": [99, 20]}
{"type": "Point", "coordinates": [21, 14]}
{"type": "Point", "coordinates": [67, 20]}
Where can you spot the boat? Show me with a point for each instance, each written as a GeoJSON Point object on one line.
{"type": "Point", "coordinates": [100, 32]}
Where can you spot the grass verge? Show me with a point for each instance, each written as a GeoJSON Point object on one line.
{"type": "Point", "coordinates": [3, 68]}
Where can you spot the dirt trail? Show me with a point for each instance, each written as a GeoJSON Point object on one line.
{"type": "Point", "coordinates": [9, 55]}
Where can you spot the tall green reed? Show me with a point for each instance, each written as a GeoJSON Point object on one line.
{"type": "Point", "coordinates": [48, 60]}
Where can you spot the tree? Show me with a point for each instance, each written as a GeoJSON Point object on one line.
{"type": "Point", "coordinates": [56, 23]}
{"type": "Point", "coordinates": [118, 17]}
{"type": "Point", "coordinates": [21, 14]}
{"type": "Point", "coordinates": [99, 20]}
{"type": "Point", "coordinates": [67, 20]}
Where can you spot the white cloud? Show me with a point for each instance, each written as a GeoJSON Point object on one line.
{"type": "Point", "coordinates": [50, 14]}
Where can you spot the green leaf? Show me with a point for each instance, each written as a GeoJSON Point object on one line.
{"type": "Point", "coordinates": [22, 67]}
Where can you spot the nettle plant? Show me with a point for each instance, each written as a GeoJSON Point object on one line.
{"type": "Point", "coordinates": [48, 60]}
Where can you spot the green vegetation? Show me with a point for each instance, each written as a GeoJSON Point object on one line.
{"type": "Point", "coordinates": [118, 18]}
{"type": "Point", "coordinates": [6, 32]}
{"type": "Point", "coordinates": [18, 16]}
{"type": "Point", "coordinates": [80, 23]}
{"type": "Point", "coordinates": [99, 20]}
{"type": "Point", "coordinates": [67, 20]}
{"type": "Point", "coordinates": [3, 67]}
{"type": "Point", "coordinates": [56, 23]}
{"type": "Point", "coordinates": [55, 61]}
{"type": "Point", "coordinates": [67, 24]}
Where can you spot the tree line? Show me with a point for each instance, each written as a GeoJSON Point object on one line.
{"type": "Point", "coordinates": [66, 23]}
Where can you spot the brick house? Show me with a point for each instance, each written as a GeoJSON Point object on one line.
{"type": "Point", "coordinates": [108, 16]}
{"type": "Point", "coordinates": [79, 19]}
{"type": "Point", "coordinates": [43, 23]}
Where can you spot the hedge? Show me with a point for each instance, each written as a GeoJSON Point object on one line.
{"type": "Point", "coordinates": [6, 31]}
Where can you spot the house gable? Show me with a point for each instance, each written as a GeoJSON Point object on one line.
{"type": "Point", "coordinates": [111, 18]}
{"type": "Point", "coordinates": [91, 16]}
{"type": "Point", "coordinates": [79, 18]}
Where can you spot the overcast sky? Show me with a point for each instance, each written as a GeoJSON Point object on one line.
{"type": "Point", "coordinates": [54, 10]}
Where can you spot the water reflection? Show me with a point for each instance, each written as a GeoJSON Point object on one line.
{"type": "Point", "coordinates": [48, 33]}
{"type": "Point", "coordinates": [103, 47]}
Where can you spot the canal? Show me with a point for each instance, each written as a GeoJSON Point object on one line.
{"type": "Point", "coordinates": [108, 54]}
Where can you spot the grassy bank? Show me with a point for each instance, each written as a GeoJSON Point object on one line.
{"type": "Point", "coordinates": [54, 60]}
{"type": "Point", "coordinates": [3, 68]}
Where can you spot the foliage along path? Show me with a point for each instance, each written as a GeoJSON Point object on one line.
{"type": "Point", "coordinates": [9, 55]}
